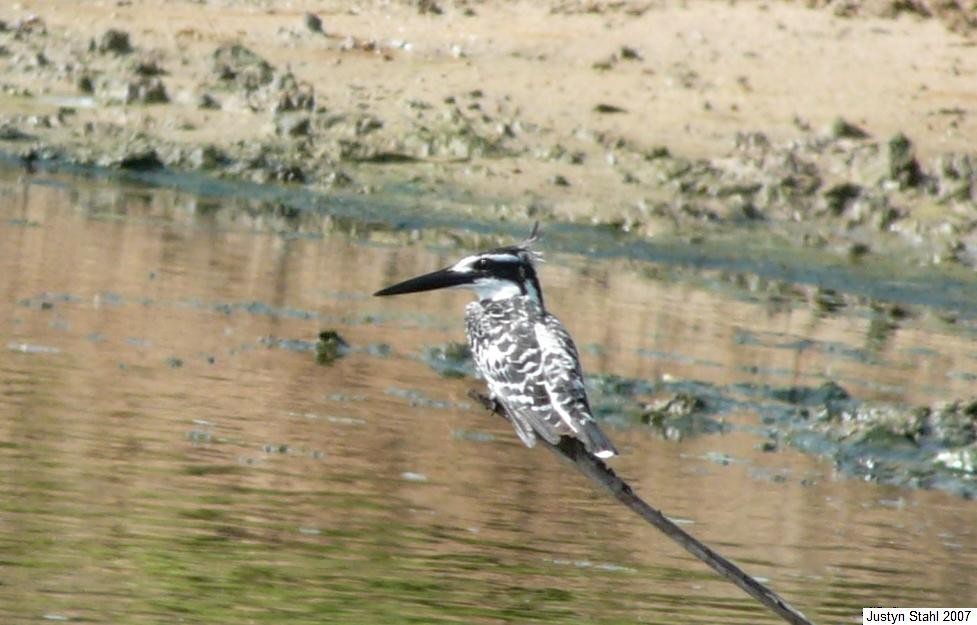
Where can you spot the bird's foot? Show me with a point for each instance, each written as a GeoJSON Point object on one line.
{"type": "Point", "coordinates": [489, 403]}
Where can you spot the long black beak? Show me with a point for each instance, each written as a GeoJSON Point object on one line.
{"type": "Point", "coordinates": [440, 279]}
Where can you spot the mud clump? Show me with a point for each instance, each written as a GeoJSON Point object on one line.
{"type": "Point", "coordinates": [137, 90]}
{"type": "Point", "coordinates": [314, 23]}
{"type": "Point", "coordinates": [451, 360]}
{"type": "Point", "coordinates": [843, 129]}
{"type": "Point", "coordinates": [840, 197]}
{"type": "Point", "coordinates": [928, 446]}
{"type": "Point", "coordinates": [827, 394]}
{"type": "Point", "coordinates": [903, 167]}
{"type": "Point", "coordinates": [681, 416]}
{"type": "Point", "coordinates": [956, 15]}
{"type": "Point", "coordinates": [330, 347]}
{"type": "Point", "coordinates": [206, 157]}
{"type": "Point", "coordinates": [114, 41]}
{"type": "Point", "coordinates": [237, 66]}
{"type": "Point", "coordinates": [136, 156]}
{"type": "Point", "coordinates": [290, 94]}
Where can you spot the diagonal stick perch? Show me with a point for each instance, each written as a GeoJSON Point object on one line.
{"type": "Point", "coordinates": [572, 450]}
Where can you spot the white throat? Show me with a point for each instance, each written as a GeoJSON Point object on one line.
{"type": "Point", "coordinates": [495, 290]}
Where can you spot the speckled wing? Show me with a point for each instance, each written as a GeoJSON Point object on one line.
{"type": "Point", "coordinates": [564, 384]}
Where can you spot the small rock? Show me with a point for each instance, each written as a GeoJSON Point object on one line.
{"type": "Point", "coordinates": [903, 166]}
{"type": "Point", "coordinates": [206, 157]}
{"type": "Point", "coordinates": [148, 67]}
{"type": "Point", "coordinates": [656, 153]}
{"type": "Point", "coordinates": [239, 65]}
{"type": "Point", "coordinates": [292, 125]}
{"type": "Point", "coordinates": [330, 347]}
{"type": "Point", "coordinates": [151, 91]}
{"type": "Point", "coordinates": [957, 176]}
{"type": "Point", "coordinates": [288, 211]}
{"type": "Point", "coordinates": [28, 159]}
{"type": "Point", "coordinates": [12, 133]}
{"type": "Point", "coordinates": [429, 7]}
{"type": "Point", "coordinates": [40, 121]}
{"type": "Point", "coordinates": [843, 129]}
{"type": "Point", "coordinates": [828, 393]}
{"type": "Point", "coordinates": [858, 249]}
{"type": "Point", "coordinates": [630, 54]}
{"type": "Point", "coordinates": [292, 95]}
{"type": "Point", "coordinates": [452, 360]}
{"type": "Point", "coordinates": [838, 197]}
{"type": "Point", "coordinates": [827, 301]}
{"type": "Point", "coordinates": [609, 109]}
{"type": "Point", "coordinates": [144, 158]}
{"type": "Point", "coordinates": [140, 90]}
{"type": "Point", "coordinates": [680, 404]}
{"type": "Point", "coordinates": [681, 416]}
{"type": "Point", "coordinates": [366, 125]}
{"type": "Point", "coordinates": [85, 84]}
{"type": "Point", "coordinates": [114, 41]}
{"type": "Point", "coordinates": [313, 22]}
{"type": "Point", "coordinates": [208, 102]}
{"type": "Point", "coordinates": [30, 24]}
{"type": "Point", "coordinates": [289, 173]}
{"type": "Point", "coordinates": [337, 179]}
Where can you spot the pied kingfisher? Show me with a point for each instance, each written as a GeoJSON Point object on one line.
{"type": "Point", "coordinates": [522, 351]}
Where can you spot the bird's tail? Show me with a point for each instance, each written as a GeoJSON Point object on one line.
{"type": "Point", "coordinates": [596, 441]}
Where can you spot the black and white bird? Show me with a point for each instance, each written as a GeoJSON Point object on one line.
{"type": "Point", "coordinates": [523, 352]}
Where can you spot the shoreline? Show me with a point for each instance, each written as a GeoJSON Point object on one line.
{"type": "Point", "coordinates": [635, 117]}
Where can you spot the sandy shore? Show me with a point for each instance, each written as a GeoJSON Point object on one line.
{"type": "Point", "coordinates": [661, 117]}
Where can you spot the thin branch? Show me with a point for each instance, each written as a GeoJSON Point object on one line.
{"type": "Point", "coordinates": [573, 451]}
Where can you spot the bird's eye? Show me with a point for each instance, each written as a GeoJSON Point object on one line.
{"type": "Point", "coordinates": [481, 263]}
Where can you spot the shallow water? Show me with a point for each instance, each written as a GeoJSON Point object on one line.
{"type": "Point", "coordinates": [170, 450]}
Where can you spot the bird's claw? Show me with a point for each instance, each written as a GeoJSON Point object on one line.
{"type": "Point", "coordinates": [489, 403]}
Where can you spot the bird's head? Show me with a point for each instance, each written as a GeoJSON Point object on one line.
{"type": "Point", "coordinates": [495, 274]}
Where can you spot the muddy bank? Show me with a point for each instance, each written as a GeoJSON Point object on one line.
{"type": "Point", "coordinates": [652, 120]}
{"type": "Point", "coordinates": [955, 15]}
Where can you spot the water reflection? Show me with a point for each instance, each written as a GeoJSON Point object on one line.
{"type": "Point", "coordinates": [170, 450]}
